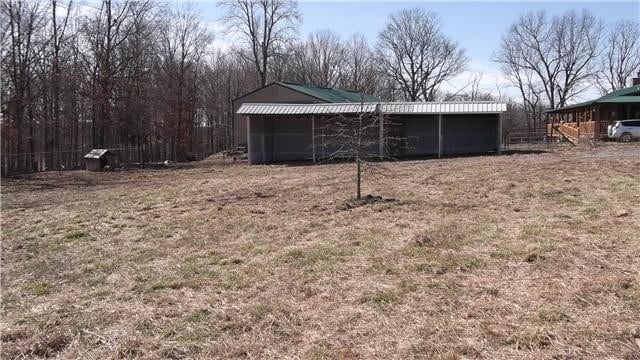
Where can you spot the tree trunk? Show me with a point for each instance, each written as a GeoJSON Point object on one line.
{"type": "Point", "coordinates": [358, 179]}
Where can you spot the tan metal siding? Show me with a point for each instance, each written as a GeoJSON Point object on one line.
{"type": "Point", "coordinates": [273, 93]}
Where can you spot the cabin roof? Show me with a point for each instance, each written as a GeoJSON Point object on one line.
{"type": "Point", "coordinates": [627, 95]}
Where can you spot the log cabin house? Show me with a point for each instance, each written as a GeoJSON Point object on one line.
{"type": "Point", "coordinates": [590, 119]}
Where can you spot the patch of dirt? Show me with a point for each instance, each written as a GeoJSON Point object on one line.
{"type": "Point", "coordinates": [365, 200]}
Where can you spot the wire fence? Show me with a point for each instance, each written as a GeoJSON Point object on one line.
{"type": "Point", "coordinates": [526, 136]}
{"type": "Point", "coordinates": [73, 159]}
{"type": "Point", "coordinates": [531, 140]}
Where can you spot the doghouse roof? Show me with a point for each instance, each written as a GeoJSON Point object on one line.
{"type": "Point", "coordinates": [98, 153]}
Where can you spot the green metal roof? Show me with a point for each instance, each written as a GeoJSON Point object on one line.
{"type": "Point", "coordinates": [626, 95]}
{"type": "Point", "coordinates": [622, 99]}
{"type": "Point", "coordinates": [630, 91]}
{"type": "Point", "coordinates": [330, 95]}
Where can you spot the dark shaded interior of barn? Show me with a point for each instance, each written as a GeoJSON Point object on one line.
{"type": "Point", "coordinates": [312, 137]}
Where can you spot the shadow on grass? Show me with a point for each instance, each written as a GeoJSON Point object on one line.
{"type": "Point", "coordinates": [403, 158]}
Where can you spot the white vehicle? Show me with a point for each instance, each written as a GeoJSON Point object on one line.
{"type": "Point", "coordinates": [624, 130]}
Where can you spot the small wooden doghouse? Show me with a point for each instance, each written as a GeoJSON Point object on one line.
{"type": "Point", "coordinates": [98, 159]}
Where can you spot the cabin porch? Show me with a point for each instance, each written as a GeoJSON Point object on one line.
{"type": "Point", "coordinates": [590, 121]}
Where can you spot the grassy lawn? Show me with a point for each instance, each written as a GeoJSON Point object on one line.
{"type": "Point", "coordinates": [521, 256]}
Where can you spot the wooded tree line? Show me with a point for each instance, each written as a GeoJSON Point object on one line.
{"type": "Point", "coordinates": [145, 79]}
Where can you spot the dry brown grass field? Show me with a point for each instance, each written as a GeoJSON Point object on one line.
{"type": "Point", "coordinates": [516, 256]}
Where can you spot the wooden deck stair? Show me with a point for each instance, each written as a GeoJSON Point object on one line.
{"type": "Point", "coordinates": [570, 133]}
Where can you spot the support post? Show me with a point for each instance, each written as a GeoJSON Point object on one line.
{"type": "Point", "coordinates": [440, 144]}
{"type": "Point", "coordinates": [381, 145]}
{"type": "Point", "coordinates": [548, 128]}
{"type": "Point", "coordinates": [499, 138]}
{"type": "Point", "coordinates": [249, 158]}
{"type": "Point", "coordinates": [313, 137]}
{"type": "Point", "coordinates": [322, 156]}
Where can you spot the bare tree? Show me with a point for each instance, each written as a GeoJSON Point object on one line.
{"type": "Point", "coordinates": [353, 137]}
{"type": "Point", "coordinates": [103, 33]}
{"type": "Point", "coordinates": [577, 37]}
{"type": "Point", "coordinates": [416, 55]}
{"type": "Point", "coordinates": [226, 76]}
{"type": "Point", "coordinates": [135, 92]}
{"type": "Point", "coordinates": [471, 91]}
{"type": "Point", "coordinates": [320, 60]}
{"type": "Point", "coordinates": [555, 55]}
{"type": "Point", "coordinates": [323, 59]}
{"type": "Point", "coordinates": [361, 72]}
{"type": "Point", "coordinates": [58, 38]}
{"type": "Point", "coordinates": [524, 79]}
{"type": "Point", "coordinates": [364, 137]}
{"type": "Point", "coordinates": [284, 64]}
{"type": "Point", "coordinates": [184, 41]}
{"type": "Point", "coordinates": [25, 22]}
{"type": "Point", "coordinates": [621, 59]}
{"type": "Point", "coordinates": [264, 25]}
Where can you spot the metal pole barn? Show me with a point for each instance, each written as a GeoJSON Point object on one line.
{"type": "Point", "coordinates": [249, 157]}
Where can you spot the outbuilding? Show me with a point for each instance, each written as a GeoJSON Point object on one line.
{"type": "Point", "coordinates": [289, 93]}
{"type": "Point", "coordinates": [98, 159]}
{"type": "Point", "coordinates": [286, 132]}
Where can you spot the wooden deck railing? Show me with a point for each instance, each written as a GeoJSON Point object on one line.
{"type": "Point", "coordinates": [602, 128]}
{"type": "Point", "coordinates": [570, 130]}
{"type": "Point", "coordinates": [588, 129]}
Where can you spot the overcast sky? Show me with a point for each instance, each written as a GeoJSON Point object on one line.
{"type": "Point", "coordinates": [476, 25]}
